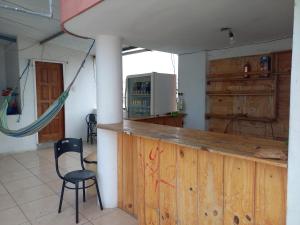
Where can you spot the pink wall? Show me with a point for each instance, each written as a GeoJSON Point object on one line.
{"type": "Point", "coordinates": [71, 8]}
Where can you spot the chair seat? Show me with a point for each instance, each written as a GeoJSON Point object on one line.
{"type": "Point", "coordinates": [79, 175]}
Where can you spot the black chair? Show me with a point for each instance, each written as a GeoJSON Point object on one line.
{"type": "Point", "coordinates": [91, 121]}
{"type": "Point", "coordinates": [77, 176]}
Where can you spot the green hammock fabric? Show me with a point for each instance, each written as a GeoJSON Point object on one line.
{"type": "Point", "coordinates": [45, 118]}
{"type": "Point", "coordinates": [39, 124]}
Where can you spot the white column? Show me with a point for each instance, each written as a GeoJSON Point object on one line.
{"type": "Point", "coordinates": [192, 82]}
{"type": "Point", "coordinates": [109, 110]}
{"type": "Point", "coordinates": [293, 198]}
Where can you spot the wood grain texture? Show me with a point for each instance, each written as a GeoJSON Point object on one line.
{"type": "Point", "coordinates": [151, 216]}
{"type": "Point", "coordinates": [187, 190]}
{"type": "Point", "coordinates": [152, 151]}
{"type": "Point", "coordinates": [171, 184]}
{"type": "Point", "coordinates": [239, 191]}
{"type": "Point", "coordinates": [135, 146]}
{"type": "Point", "coordinates": [167, 184]}
{"type": "Point", "coordinates": [120, 170]}
{"type": "Point", "coordinates": [128, 188]}
{"type": "Point", "coordinates": [226, 76]}
{"type": "Point", "coordinates": [210, 182]}
{"type": "Point", "coordinates": [49, 86]}
{"type": "Point", "coordinates": [141, 182]}
{"type": "Point", "coordinates": [270, 203]}
{"type": "Point", "coordinates": [238, 146]}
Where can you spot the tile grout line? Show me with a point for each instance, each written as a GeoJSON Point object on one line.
{"type": "Point", "coordinates": [42, 183]}
{"type": "Point", "coordinates": [35, 176]}
{"type": "Point", "coordinates": [52, 194]}
{"type": "Point", "coordinates": [37, 199]}
{"type": "Point", "coordinates": [11, 198]}
{"type": "Point", "coordinates": [14, 180]}
{"type": "Point", "coordinates": [56, 194]}
{"type": "Point", "coordinates": [17, 205]}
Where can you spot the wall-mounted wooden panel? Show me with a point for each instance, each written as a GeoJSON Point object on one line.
{"type": "Point", "coordinates": [283, 62]}
{"type": "Point", "coordinates": [257, 105]}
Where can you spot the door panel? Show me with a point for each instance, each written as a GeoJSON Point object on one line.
{"type": "Point", "coordinates": [49, 85]}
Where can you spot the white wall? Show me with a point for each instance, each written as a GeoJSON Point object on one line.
{"type": "Point", "coordinates": [192, 73]}
{"type": "Point", "coordinates": [81, 101]}
{"type": "Point", "coordinates": [2, 69]}
{"type": "Point", "coordinates": [191, 81]}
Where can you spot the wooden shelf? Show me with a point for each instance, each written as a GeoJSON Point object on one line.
{"type": "Point", "coordinates": [241, 93]}
{"type": "Point", "coordinates": [239, 117]}
{"type": "Point", "coordinates": [223, 79]}
{"type": "Point", "coordinates": [239, 74]}
{"type": "Point", "coordinates": [263, 95]}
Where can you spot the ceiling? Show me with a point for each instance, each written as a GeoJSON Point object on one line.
{"type": "Point", "coordinates": [184, 26]}
{"type": "Point", "coordinates": [37, 28]}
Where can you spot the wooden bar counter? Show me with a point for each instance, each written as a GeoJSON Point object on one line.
{"type": "Point", "coordinates": [170, 175]}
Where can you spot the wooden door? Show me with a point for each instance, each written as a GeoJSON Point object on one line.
{"type": "Point", "coordinates": [49, 85]}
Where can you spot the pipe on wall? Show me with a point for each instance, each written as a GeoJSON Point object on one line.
{"type": "Point", "coordinates": [28, 11]}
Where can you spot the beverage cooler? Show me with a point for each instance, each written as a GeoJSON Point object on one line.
{"type": "Point", "coordinates": [150, 94]}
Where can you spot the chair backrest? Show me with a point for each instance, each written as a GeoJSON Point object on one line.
{"type": "Point", "coordinates": [67, 145]}
{"type": "Point", "coordinates": [91, 118]}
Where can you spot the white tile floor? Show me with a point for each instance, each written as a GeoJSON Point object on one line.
{"type": "Point", "coordinates": [30, 189]}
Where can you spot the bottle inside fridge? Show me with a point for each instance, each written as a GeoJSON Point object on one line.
{"type": "Point", "coordinates": [139, 96]}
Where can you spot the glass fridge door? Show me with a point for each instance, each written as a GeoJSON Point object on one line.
{"type": "Point", "coordinates": [139, 96]}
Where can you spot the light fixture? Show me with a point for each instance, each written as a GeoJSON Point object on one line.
{"type": "Point", "coordinates": [230, 34]}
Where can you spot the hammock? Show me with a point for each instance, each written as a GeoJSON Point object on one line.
{"type": "Point", "coordinates": [46, 117]}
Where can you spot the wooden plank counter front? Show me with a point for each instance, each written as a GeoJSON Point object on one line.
{"type": "Point", "coordinates": [171, 175]}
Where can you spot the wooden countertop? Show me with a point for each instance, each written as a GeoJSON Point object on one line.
{"type": "Point", "coordinates": [238, 146]}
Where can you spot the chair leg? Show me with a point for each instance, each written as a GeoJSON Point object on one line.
{"type": "Point", "coordinates": [98, 193]}
{"type": "Point", "coordinates": [76, 190]}
{"type": "Point", "coordinates": [83, 190]}
{"type": "Point", "coordinates": [91, 133]}
{"type": "Point", "coordinates": [61, 196]}
{"type": "Point", "coordinates": [88, 134]}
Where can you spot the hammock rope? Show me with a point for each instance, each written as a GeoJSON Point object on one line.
{"type": "Point", "coordinates": [47, 116]}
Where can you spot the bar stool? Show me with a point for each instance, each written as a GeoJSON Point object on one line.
{"type": "Point", "coordinates": [91, 121]}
